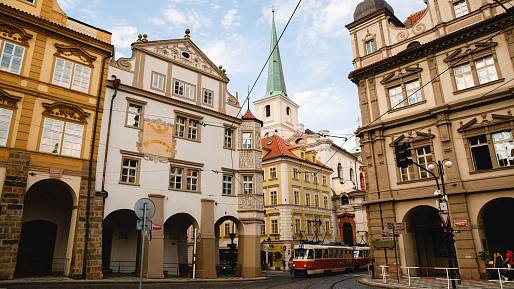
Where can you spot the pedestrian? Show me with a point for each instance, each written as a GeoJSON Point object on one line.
{"type": "Point", "coordinates": [290, 264]}
{"type": "Point", "coordinates": [508, 263]}
{"type": "Point", "coordinates": [498, 263]}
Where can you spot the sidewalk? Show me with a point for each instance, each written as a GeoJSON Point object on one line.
{"type": "Point", "coordinates": [432, 283]}
{"type": "Point", "coordinates": [123, 280]}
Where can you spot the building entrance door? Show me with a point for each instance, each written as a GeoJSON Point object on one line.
{"type": "Point", "coordinates": [348, 234]}
{"type": "Point", "coordinates": [36, 250]}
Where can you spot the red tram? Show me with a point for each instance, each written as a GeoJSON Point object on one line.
{"type": "Point", "coordinates": [316, 259]}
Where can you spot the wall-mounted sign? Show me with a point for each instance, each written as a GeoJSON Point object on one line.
{"type": "Point", "coordinates": [382, 243]}
{"type": "Point", "coordinates": [460, 223]}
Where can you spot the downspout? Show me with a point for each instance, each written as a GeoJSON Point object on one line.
{"type": "Point", "coordinates": [90, 171]}
{"type": "Point", "coordinates": [115, 84]}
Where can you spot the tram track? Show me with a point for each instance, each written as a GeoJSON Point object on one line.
{"type": "Point", "coordinates": [333, 286]}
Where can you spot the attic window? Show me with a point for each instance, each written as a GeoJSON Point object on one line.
{"type": "Point", "coordinates": [185, 55]}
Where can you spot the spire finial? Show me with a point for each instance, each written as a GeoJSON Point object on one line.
{"type": "Point", "coordinates": [273, 9]}
{"type": "Point", "coordinates": [276, 84]}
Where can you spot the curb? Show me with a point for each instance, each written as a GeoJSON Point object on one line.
{"type": "Point", "coordinates": [366, 281]}
{"type": "Point", "coordinates": [130, 281]}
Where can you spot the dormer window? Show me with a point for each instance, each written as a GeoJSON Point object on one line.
{"type": "Point", "coordinates": [370, 46]}
{"type": "Point", "coordinates": [460, 8]}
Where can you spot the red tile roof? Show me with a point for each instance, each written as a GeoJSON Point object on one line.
{"type": "Point", "coordinates": [277, 147]}
{"type": "Point", "coordinates": [413, 18]}
{"type": "Point", "coordinates": [249, 116]}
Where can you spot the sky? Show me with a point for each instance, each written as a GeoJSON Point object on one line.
{"type": "Point", "coordinates": [315, 49]}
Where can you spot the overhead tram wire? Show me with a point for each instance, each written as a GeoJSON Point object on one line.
{"type": "Point", "coordinates": [459, 59]}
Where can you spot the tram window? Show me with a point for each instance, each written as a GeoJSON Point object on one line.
{"type": "Point", "coordinates": [299, 253]}
{"type": "Point", "coordinates": [330, 255]}
{"type": "Point", "coordinates": [356, 254]}
{"type": "Point", "coordinates": [339, 253]}
{"type": "Point", "coordinates": [318, 253]}
{"type": "Point", "coordinates": [310, 254]}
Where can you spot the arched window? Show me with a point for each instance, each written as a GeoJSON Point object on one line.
{"type": "Point", "coordinates": [288, 110]}
{"type": "Point", "coordinates": [351, 174]}
{"type": "Point", "coordinates": [339, 171]}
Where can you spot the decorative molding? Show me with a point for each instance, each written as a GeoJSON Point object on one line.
{"type": "Point", "coordinates": [122, 64]}
{"type": "Point", "coordinates": [8, 100]}
{"type": "Point", "coordinates": [10, 31]}
{"type": "Point", "coordinates": [458, 54]}
{"type": "Point", "coordinates": [400, 74]}
{"type": "Point", "coordinates": [65, 110]}
{"type": "Point", "coordinates": [413, 136]}
{"type": "Point", "coordinates": [496, 119]}
{"type": "Point", "coordinates": [71, 50]}
{"type": "Point", "coordinates": [232, 100]}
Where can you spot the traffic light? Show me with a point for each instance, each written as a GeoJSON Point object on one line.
{"type": "Point", "coordinates": [403, 154]}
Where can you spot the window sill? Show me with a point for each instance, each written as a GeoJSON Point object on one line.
{"type": "Point", "coordinates": [184, 97]}
{"type": "Point", "coordinates": [226, 195]}
{"type": "Point", "coordinates": [188, 139]}
{"type": "Point", "coordinates": [479, 86]}
{"type": "Point", "coordinates": [229, 148]}
{"type": "Point", "coordinates": [129, 184]}
{"type": "Point", "coordinates": [133, 127]}
{"type": "Point", "coordinates": [491, 170]}
{"type": "Point", "coordinates": [184, 191]}
{"type": "Point", "coordinates": [408, 106]}
{"type": "Point", "coordinates": [414, 181]}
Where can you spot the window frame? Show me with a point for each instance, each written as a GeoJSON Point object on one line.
{"type": "Point", "coordinates": [223, 182]}
{"type": "Point", "coordinates": [273, 174]}
{"type": "Point", "coordinates": [188, 118]}
{"type": "Point", "coordinates": [273, 198]}
{"type": "Point", "coordinates": [184, 178]}
{"type": "Point", "coordinates": [138, 170]}
{"type": "Point", "coordinates": [72, 75]}
{"type": "Point", "coordinates": [243, 182]}
{"type": "Point", "coordinates": [232, 130]}
{"type": "Point", "coordinates": [243, 133]}
{"type": "Point", "coordinates": [61, 141]}
{"type": "Point", "coordinates": [152, 82]}
{"type": "Point", "coordinates": [204, 90]}
{"type": "Point", "coordinates": [296, 198]}
{"type": "Point", "coordinates": [274, 224]}
{"type": "Point", "coordinates": [267, 110]}
{"type": "Point", "coordinates": [373, 41]}
{"type": "Point", "coordinates": [413, 170]}
{"type": "Point", "coordinates": [22, 61]}
{"type": "Point", "coordinates": [141, 113]}
{"type": "Point", "coordinates": [184, 84]}
{"type": "Point", "coordinates": [454, 12]}
{"type": "Point", "coordinates": [9, 127]}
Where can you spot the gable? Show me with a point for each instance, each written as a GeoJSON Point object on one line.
{"type": "Point", "coordinates": [185, 53]}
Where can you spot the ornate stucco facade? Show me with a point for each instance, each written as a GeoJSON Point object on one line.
{"type": "Point", "coordinates": [53, 72]}
{"type": "Point", "coordinates": [441, 81]}
{"type": "Point", "coordinates": [174, 136]}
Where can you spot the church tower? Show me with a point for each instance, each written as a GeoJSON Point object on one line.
{"type": "Point", "coordinates": [275, 109]}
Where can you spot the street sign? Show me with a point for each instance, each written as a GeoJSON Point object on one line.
{"type": "Point", "coordinates": [139, 208]}
{"type": "Point", "coordinates": [460, 223]}
{"type": "Point", "coordinates": [445, 216]}
{"type": "Point", "coordinates": [156, 227]}
{"type": "Point", "coordinates": [399, 228]}
{"type": "Point", "coordinates": [139, 225]}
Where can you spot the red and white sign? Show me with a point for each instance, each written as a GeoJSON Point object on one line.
{"type": "Point", "coordinates": [460, 223]}
{"type": "Point", "coordinates": [156, 227]}
{"type": "Point", "coordinates": [445, 216]}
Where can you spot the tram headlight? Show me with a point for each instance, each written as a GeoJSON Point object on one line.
{"type": "Point", "coordinates": [304, 265]}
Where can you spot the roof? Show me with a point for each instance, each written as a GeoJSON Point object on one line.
{"type": "Point", "coordinates": [277, 147]}
{"type": "Point", "coordinates": [413, 18]}
{"type": "Point", "coordinates": [367, 7]}
{"type": "Point", "coordinates": [276, 84]}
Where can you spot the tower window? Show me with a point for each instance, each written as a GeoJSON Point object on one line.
{"type": "Point", "coordinates": [370, 46]}
{"type": "Point", "coordinates": [288, 110]}
{"type": "Point", "coordinates": [268, 110]}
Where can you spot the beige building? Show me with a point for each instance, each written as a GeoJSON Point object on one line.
{"type": "Point", "coordinates": [441, 81]}
{"type": "Point", "coordinates": [53, 71]}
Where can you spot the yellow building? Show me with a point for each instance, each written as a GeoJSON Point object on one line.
{"type": "Point", "coordinates": [297, 199]}
{"type": "Point", "coordinates": [53, 71]}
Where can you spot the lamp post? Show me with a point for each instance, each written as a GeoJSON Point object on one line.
{"type": "Point", "coordinates": [442, 204]}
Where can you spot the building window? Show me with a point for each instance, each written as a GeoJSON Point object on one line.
{"type": "Point", "coordinates": [227, 229]}
{"type": "Point", "coordinates": [463, 76]}
{"type": "Point", "coordinates": [486, 70]}
{"type": "Point", "coordinates": [176, 178]}
{"type": "Point", "coordinates": [247, 140]}
{"type": "Point", "coordinates": [288, 110]}
{"type": "Point", "coordinates": [228, 184]}
{"type": "Point", "coordinates": [12, 57]}
{"type": "Point", "coordinates": [273, 198]}
{"type": "Point", "coordinates": [229, 135]}
{"type": "Point", "coordinates": [324, 180]}
{"type": "Point", "coordinates": [185, 124]}
{"type": "Point", "coordinates": [192, 180]}
{"type": "Point", "coordinates": [61, 137]}
{"type": "Point", "coordinates": [316, 200]}
{"type": "Point", "coordinates": [273, 173]}
{"type": "Point", "coordinates": [480, 153]}
{"type": "Point", "coordinates": [307, 176]}
{"type": "Point", "coordinates": [183, 89]}
{"type": "Point", "coordinates": [327, 227]}
{"type": "Point", "coordinates": [339, 170]}
{"type": "Point", "coordinates": [296, 197]}
{"type": "Point", "coordinates": [158, 81]}
{"type": "Point", "coordinates": [296, 174]}
{"type": "Point", "coordinates": [315, 177]}
{"type": "Point", "coordinates": [309, 227]}
{"type": "Point", "coordinates": [71, 75]}
{"type": "Point", "coordinates": [297, 226]}
{"type": "Point", "coordinates": [5, 125]}
{"type": "Point", "coordinates": [344, 200]}
{"type": "Point", "coordinates": [504, 148]}
{"type": "Point", "coordinates": [460, 8]}
{"type": "Point", "coordinates": [207, 96]}
{"type": "Point", "coordinates": [424, 157]}
{"type": "Point", "coordinates": [134, 115]}
{"type": "Point", "coordinates": [267, 108]}
{"type": "Point", "coordinates": [412, 94]}
{"type": "Point", "coordinates": [307, 199]}
{"type": "Point", "coordinates": [274, 226]}
{"type": "Point", "coordinates": [129, 171]}
{"type": "Point", "coordinates": [370, 46]}
{"type": "Point", "coordinates": [407, 174]}
{"type": "Point", "coordinates": [263, 229]}
{"type": "Point", "coordinates": [325, 202]}
{"type": "Point", "coordinates": [247, 185]}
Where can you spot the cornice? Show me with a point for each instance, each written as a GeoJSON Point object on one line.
{"type": "Point", "coordinates": [465, 35]}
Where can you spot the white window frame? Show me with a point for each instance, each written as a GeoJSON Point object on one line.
{"type": "Point", "coordinates": [184, 89]}
{"type": "Point", "coordinates": [63, 139]}
{"type": "Point", "coordinates": [228, 141]}
{"type": "Point", "coordinates": [158, 81]}
{"type": "Point", "coordinates": [488, 66]}
{"type": "Point", "coordinates": [228, 185]}
{"type": "Point", "coordinates": [247, 185]}
{"type": "Point", "coordinates": [5, 125]}
{"type": "Point", "coordinates": [296, 197]}
{"type": "Point", "coordinates": [424, 159]}
{"type": "Point", "coordinates": [273, 198]}
{"type": "Point", "coordinates": [325, 202]}
{"type": "Point", "coordinates": [208, 97]}
{"type": "Point", "coordinates": [176, 178]}
{"type": "Point", "coordinates": [132, 115]}
{"type": "Point", "coordinates": [370, 46]}
{"type": "Point", "coordinates": [504, 140]}
{"type": "Point", "coordinates": [273, 173]}
{"type": "Point", "coordinates": [396, 96]}
{"type": "Point", "coordinates": [458, 8]}
{"type": "Point", "coordinates": [274, 226]}
{"type": "Point", "coordinates": [12, 56]}
{"type": "Point", "coordinates": [307, 199]}
{"type": "Point", "coordinates": [192, 180]}
{"type": "Point", "coordinates": [247, 140]}
{"type": "Point", "coordinates": [74, 70]}
{"type": "Point", "coordinates": [125, 169]}
{"type": "Point", "coordinates": [187, 127]}
{"type": "Point", "coordinates": [463, 75]}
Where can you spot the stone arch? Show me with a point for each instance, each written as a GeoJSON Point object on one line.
{"type": "Point", "coordinates": [120, 243]}
{"type": "Point", "coordinates": [178, 244]}
{"type": "Point", "coordinates": [494, 220]}
{"type": "Point", "coordinates": [423, 243]}
{"type": "Point", "coordinates": [228, 259]}
{"type": "Point", "coordinates": [47, 234]}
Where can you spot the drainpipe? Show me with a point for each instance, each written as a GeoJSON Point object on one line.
{"type": "Point", "coordinates": [90, 171]}
{"type": "Point", "coordinates": [115, 84]}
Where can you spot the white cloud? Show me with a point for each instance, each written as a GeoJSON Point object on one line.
{"type": "Point", "coordinates": [191, 19]}
{"type": "Point", "coordinates": [216, 6]}
{"type": "Point", "coordinates": [231, 19]}
{"type": "Point", "coordinates": [230, 52]}
{"type": "Point", "coordinates": [67, 4]}
{"type": "Point", "coordinates": [156, 21]}
{"type": "Point", "coordinates": [122, 37]}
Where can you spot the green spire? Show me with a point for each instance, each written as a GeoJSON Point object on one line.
{"type": "Point", "coordinates": [276, 84]}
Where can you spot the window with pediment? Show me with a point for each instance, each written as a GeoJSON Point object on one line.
{"type": "Point", "coordinates": [62, 131]}
{"type": "Point", "coordinates": [72, 68]}
{"type": "Point", "coordinates": [474, 66]}
{"type": "Point", "coordinates": [403, 88]}
{"type": "Point", "coordinates": [13, 44]}
{"type": "Point", "coordinates": [489, 143]}
{"type": "Point", "coordinates": [422, 151]}
{"type": "Point", "coordinates": [8, 105]}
